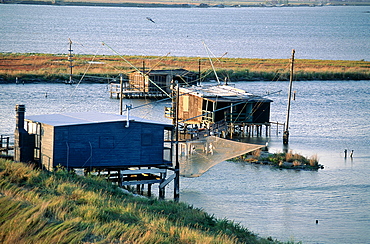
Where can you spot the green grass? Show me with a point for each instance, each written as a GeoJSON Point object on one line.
{"type": "Point", "coordinates": [61, 207]}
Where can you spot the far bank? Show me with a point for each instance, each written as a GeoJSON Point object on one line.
{"type": "Point", "coordinates": [185, 4]}
{"type": "Point", "coordinates": [36, 67]}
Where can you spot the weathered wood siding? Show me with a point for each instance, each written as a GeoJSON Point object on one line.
{"type": "Point", "coordinates": [109, 144]}
{"type": "Point", "coordinates": [47, 146]}
{"type": "Point", "coordinates": [190, 106]}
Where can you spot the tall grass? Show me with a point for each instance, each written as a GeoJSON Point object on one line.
{"type": "Point", "coordinates": [60, 207]}
{"type": "Point", "coordinates": [35, 67]}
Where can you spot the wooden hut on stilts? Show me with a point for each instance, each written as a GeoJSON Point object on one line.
{"type": "Point", "coordinates": [129, 152]}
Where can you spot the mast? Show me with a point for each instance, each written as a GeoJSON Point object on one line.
{"type": "Point", "coordinates": [286, 129]}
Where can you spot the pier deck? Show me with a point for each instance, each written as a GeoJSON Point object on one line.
{"type": "Point", "coordinates": [115, 92]}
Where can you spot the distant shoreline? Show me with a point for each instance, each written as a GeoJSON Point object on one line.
{"type": "Point", "coordinates": [159, 4]}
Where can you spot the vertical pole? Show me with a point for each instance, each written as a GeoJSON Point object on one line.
{"type": "Point", "coordinates": [286, 130]}
{"type": "Point", "coordinates": [231, 122]}
{"type": "Point", "coordinates": [177, 165]}
{"type": "Point", "coordinates": [70, 56]}
{"type": "Point", "coordinates": [120, 94]}
{"type": "Point", "coordinates": [162, 192]}
{"type": "Point", "coordinates": [128, 107]}
{"type": "Point", "coordinates": [199, 72]}
{"type": "Point", "coordinates": [144, 77]}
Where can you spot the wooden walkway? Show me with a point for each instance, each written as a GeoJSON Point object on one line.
{"type": "Point", "coordinates": [225, 130]}
{"type": "Point", "coordinates": [115, 92]}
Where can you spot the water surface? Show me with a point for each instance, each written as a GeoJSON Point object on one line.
{"type": "Point", "coordinates": [327, 117]}
{"type": "Point", "coordinates": [330, 32]}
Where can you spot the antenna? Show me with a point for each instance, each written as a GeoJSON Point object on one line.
{"type": "Point", "coordinates": [210, 60]}
{"type": "Point", "coordinates": [70, 56]}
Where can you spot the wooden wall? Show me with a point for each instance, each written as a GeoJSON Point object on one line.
{"type": "Point", "coordinates": [190, 106]}
{"type": "Point", "coordinates": [47, 146]}
{"type": "Point", "coordinates": [104, 145]}
{"type": "Point", "coordinates": [249, 112]}
{"type": "Point", "coordinates": [261, 113]}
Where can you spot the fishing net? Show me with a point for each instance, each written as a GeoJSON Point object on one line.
{"type": "Point", "coordinates": [196, 157]}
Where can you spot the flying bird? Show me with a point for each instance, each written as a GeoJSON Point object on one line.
{"type": "Point", "coordinates": [150, 19]}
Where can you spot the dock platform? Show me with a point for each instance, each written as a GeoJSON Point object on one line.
{"type": "Point", "coordinates": [115, 92]}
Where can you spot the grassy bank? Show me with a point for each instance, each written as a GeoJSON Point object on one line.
{"type": "Point", "coordinates": [60, 207]}
{"type": "Point", "coordinates": [102, 68]}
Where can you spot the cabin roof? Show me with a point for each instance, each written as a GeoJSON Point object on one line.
{"type": "Point", "coordinates": [222, 93]}
{"type": "Point", "coordinates": [66, 119]}
{"type": "Point", "coordinates": [180, 72]}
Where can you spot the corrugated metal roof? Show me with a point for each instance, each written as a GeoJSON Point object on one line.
{"type": "Point", "coordinates": [66, 119]}
{"type": "Point", "coordinates": [179, 72]}
{"type": "Point", "coordinates": [223, 93]}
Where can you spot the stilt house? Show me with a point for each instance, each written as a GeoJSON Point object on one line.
{"type": "Point", "coordinates": [94, 140]}
{"type": "Point", "coordinates": [155, 80]}
{"type": "Point", "coordinates": [222, 104]}
{"type": "Point", "coordinates": [97, 141]}
{"type": "Point", "coordinates": [217, 103]}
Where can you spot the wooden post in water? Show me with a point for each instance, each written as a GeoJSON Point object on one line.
{"type": "Point", "coordinates": [286, 129]}
{"type": "Point", "coordinates": [177, 164]}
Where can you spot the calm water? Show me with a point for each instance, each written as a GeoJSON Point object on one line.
{"type": "Point", "coordinates": [315, 33]}
{"type": "Point", "coordinates": [327, 117]}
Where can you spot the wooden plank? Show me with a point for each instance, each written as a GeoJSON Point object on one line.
{"type": "Point", "coordinates": [168, 180]}
{"type": "Point", "coordinates": [142, 171]}
{"type": "Point", "coordinates": [141, 182]}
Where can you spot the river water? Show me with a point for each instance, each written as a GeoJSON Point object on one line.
{"type": "Point", "coordinates": [327, 116]}
{"type": "Point", "coordinates": [334, 32]}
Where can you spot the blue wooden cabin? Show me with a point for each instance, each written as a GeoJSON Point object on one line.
{"type": "Point", "coordinates": [98, 140]}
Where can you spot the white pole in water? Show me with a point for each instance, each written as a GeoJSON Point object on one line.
{"type": "Point", "coordinates": [286, 129]}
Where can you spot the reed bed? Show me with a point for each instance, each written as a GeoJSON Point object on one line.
{"type": "Point", "coordinates": [61, 207]}
{"type": "Point", "coordinates": [288, 160]}
{"type": "Point", "coordinates": [55, 68]}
